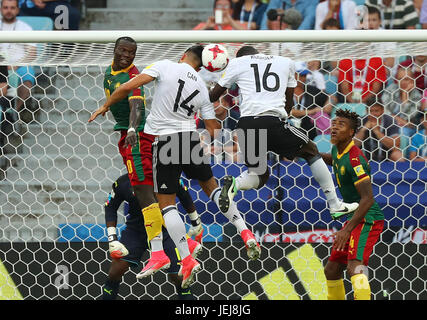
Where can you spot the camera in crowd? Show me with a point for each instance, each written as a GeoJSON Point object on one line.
{"type": "Point", "coordinates": [291, 17]}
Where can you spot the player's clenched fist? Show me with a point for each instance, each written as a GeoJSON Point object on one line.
{"type": "Point", "coordinates": [101, 111]}
{"type": "Point", "coordinates": [131, 138]}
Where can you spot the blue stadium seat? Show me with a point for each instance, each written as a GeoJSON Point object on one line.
{"type": "Point", "coordinates": [359, 2]}
{"type": "Point", "coordinates": [359, 108]}
{"type": "Point", "coordinates": [331, 84]}
{"type": "Point", "coordinates": [323, 143]}
{"type": "Point", "coordinates": [38, 23]}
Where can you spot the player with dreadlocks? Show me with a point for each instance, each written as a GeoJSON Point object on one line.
{"type": "Point", "coordinates": [353, 244]}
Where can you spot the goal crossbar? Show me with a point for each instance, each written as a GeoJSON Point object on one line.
{"type": "Point", "coordinates": [174, 36]}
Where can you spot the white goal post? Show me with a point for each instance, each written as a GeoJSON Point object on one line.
{"type": "Point", "coordinates": [175, 36]}
{"type": "Point", "coordinates": [56, 171]}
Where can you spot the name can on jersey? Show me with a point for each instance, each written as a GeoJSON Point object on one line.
{"type": "Point", "coordinates": [179, 93]}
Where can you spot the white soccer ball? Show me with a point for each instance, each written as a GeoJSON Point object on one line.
{"type": "Point", "coordinates": [215, 57]}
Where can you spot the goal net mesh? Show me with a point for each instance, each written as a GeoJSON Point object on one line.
{"type": "Point", "coordinates": [57, 170]}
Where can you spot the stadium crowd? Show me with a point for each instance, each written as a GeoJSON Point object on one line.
{"type": "Point", "coordinates": [390, 93]}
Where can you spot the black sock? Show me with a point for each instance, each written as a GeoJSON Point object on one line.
{"type": "Point", "coordinates": [184, 294]}
{"type": "Point", "coordinates": [110, 290]}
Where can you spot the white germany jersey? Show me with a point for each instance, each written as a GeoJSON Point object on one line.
{"type": "Point", "coordinates": [262, 81]}
{"type": "Point", "coordinates": [179, 93]}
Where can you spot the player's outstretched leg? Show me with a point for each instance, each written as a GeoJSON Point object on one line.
{"type": "Point", "coordinates": [210, 187]}
{"type": "Point", "coordinates": [227, 194]}
{"type": "Point", "coordinates": [322, 175]}
{"type": "Point", "coordinates": [246, 181]}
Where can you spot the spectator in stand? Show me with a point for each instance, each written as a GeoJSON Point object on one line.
{"type": "Point", "coordinates": [418, 66]}
{"type": "Point", "coordinates": [47, 8]}
{"type": "Point", "coordinates": [402, 100]}
{"type": "Point", "coordinates": [331, 24]}
{"type": "Point", "coordinates": [331, 66]}
{"type": "Point", "coordinates": [307, 8]}
{"type": "Point", "coordinates": [423, 15]}
{"type": "Point", "coordinates": [249, 13]}
{"type": "Point", "coordinates": [312, 107]}
{"type": "Point", "coordinates": [418, 6]}
{"type": "Point", "coordinates": [360, 79]}
{"type": "Point", "coordinates": [18, 52]}
{"type": "Point", "coordinates": [375, 23]}
{"type": "Point", "coordinates": [344, 11]}
{"type": "Point", "coordinates": [418, 147]}
{"type": "Point", "coordinates": [315, 77]}
{"type": "Point", "coordinates": [222, 18]}
{"type": "Point", "coordinates": [396, 14]}
{"type": "Point", "coordinates": [379, 135]}
{"type": "Point", "coordinates": [285, 20]}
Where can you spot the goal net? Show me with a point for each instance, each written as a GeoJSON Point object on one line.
{"type": "Point", "coordinates": [57, 170]}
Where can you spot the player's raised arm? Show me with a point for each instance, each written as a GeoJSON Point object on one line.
{"type": "Point", "coordinates": [122, 92]}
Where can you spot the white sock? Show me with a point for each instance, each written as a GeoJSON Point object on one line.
{"type": "Point", "coordinates": [233, 215]}
{"type": "Point", "coordinates": [193, 215]}
{"type": "Point", "coordinates": [247, 181]}
{"type": "Point", "coordinates": [176, 230]}
{"type": "Point", "coordinates": [322, 175]}
{"type": "Point", "coordinates": [157, 243]}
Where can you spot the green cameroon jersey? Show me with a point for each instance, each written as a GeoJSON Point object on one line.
{"type": "Point", "coordinates": [120, 110]}
{"type": "Point", "coordinates": [350, 168]}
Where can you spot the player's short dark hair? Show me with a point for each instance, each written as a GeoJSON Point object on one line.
{"type": "Point", "coordinates": [127, 39]}
{"type": "Point", "coordinates": [331, 23]}
{"type": "Point", "coordinates": [352, 116]}
{"type": "Point", "coordinates": [246, 51]}
{"type": "Point", "coordinates": [196, 52]}
{"type": "Point", "coordinates": [374, 10]}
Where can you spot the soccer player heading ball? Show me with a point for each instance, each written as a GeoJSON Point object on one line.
{"type": "Point", "coordinates": [266, 84]}
{"type": "Point", "coordinates": [135, 149]}
{"type": "Point", "coordinates": [179, 94]}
